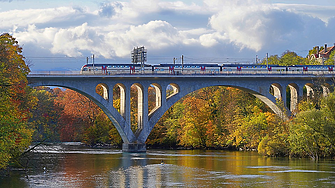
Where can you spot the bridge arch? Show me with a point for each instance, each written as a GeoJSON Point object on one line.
{"type": "Point", "coordinates": [105, 90]}
{"type": "Point", "coordinates": [140, 107]}
{"type": "Point", "coordinates": [122, 95]}
{"type": "Point", "coordinates": [309, 90]}
{"type": "Point", "coordinates": [158, 97]}
{"type": "Point", "coordinates": [294, 96]}
{"type": "Point", "coordinates": [276, 90]}
{"type": "Point", "coordinates": [118, 122]}
{"type": "Point", "coordinates": [326, 88]}
{"type": "Point", "coordinates": [271, 103]}
{"type": "Point", "coordinates": [171, 90]}
{"type": "Point", "coordinates": [266, 100]}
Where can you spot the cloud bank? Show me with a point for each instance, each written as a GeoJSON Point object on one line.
{"type": "Point", "coordinates": [214, 29]}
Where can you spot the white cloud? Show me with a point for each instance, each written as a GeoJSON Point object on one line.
{"type": "Point", "coordinates": [214, 28]}
{"type": "Point", "coordinates": [73, 41]}
{"type": "Point", "coordinates": [265, 26]}
{"type": "Point", "coordinates": [23, 18]}
{"type": "Point", "coordinates": [324, 12]}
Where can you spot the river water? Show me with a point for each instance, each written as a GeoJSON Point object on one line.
{"type": "Point", "coordinates": [72, 165]}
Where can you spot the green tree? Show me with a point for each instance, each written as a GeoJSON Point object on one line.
{"type": "Point", "coordinates": [312, 131]}
{"type": "Point", "coordinates": [291, 58]}
{"type": "Point", "coordinates": [99, 132]}
{"type": "Point", "coordinates": [331, 60]}
{"type": "Point", "coordinates": [313, 51]}
{"type": "Point", "coordinates": [272, 60]}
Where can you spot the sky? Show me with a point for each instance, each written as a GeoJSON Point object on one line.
{"type": "Point", "coordinates": [59, 35]}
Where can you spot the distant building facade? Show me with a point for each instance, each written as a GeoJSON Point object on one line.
{"type": "Point", "coordinates": [323, 55]}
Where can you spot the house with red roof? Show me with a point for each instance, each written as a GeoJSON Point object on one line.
{"type": "Point", "coordinates": [322, 55]}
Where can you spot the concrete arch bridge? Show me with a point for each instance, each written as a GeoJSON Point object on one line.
{"type": "Point", "coordinates": [266, 87]}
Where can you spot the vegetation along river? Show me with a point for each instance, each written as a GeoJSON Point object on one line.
{"type": "Point", "coordinates": [73, 165]}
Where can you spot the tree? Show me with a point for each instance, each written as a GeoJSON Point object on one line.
{"type": "Point", "coordinates": [291, 58]}
{"type": "Point", "coordinates": [331, 60]}
{"type": "Point", "coordinates": [272, 60]}
{"type": "Point", "coordinates": [312, 131]}
{"type": "Point", "coordinates": [194, 123]}
{"type": "Point", "coordinates": [82, 120]}
{"type": "Point", "coordinates": [79, 113]}
{"type": "Point", "coordinates": [45, 115]}
{"type": "Point", "coordinates": [15, 101]}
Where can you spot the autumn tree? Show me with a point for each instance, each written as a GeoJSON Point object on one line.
{"type": "Point", "coordinates": [82, 120]}
{"type": "Point", "coordinates": [79, 113]}
{"type": "Point", "coordinates": [15, 101]}
{"type": "Point", "coordinates": [45, 115]}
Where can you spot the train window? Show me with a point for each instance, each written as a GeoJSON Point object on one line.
{"type": "Point", "coordinates": [114, 66]}
{"type": "Point", "coordinates": [127, 66]}
{"type": "Point", "coordinates": [198, 66]}
{"type": "Point", "coordinates": [109, 66]}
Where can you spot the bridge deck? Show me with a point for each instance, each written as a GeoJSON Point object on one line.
{"type": "Point", "coordinates": [308, 74]}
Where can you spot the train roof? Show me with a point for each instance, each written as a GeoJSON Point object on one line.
{"type": "Point", "coordinates": [271, 65]}
{"type": "Point", "coordinates": [242, 65]}
{"type": "Point", "coordinates": [188, 64]}
{"type": "Point", "coordinates": [116, 65]}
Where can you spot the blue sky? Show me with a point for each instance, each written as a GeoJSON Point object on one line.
{"type": "Point", "coordinates": [59, 35]}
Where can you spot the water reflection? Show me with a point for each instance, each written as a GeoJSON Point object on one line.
{"type": "Point", "coordinates": [85, 167]}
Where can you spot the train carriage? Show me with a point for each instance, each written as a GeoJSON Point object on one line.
{"type": "Point", "coordinates": [205, 68]}
{"type": "Point", "coordinates": [187, 68]}
{"type": "Point", "coordinates": [114, 68]}
{"type": "Point", "coordinates": [250, 68]}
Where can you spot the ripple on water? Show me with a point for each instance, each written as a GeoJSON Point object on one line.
{"type": "Point", "coordinates": [170, 175]}
{"type": "Point", "coordinates": [298, 171]}
{"type": "Point", "coordinates": [286, 169]}
{"type": "Point", "coordinates": [270, 167]}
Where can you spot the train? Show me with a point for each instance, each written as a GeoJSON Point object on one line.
{"type": "Point", "coordinates": [205, 68]}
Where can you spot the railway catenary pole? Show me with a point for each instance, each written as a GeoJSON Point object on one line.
{"type": "Point", "coordinates": [93, 63]}
{"type": "Point", "coordinates": [182, 63]}
{"type": "Point", "coordinates": [267, 61]}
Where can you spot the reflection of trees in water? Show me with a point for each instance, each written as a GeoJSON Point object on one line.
{"type": "Point", "coordinates": [42, 157]}
{"type": "Point", "coordinates": [160, 175]}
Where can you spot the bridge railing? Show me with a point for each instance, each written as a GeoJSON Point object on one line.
{"type": "Point", "coordinates": [187, 72]}
{"type": "Point", "coordinates": [54, 72]}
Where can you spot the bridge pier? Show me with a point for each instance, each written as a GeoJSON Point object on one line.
{"type": "Point", "coordinates": [134, 147]}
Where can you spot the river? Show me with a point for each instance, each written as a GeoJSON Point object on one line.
{"type": "Point", "coordinates": [72, 165]}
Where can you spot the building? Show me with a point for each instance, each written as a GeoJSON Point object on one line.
{"type": "Point", "coordinates": [322, 55]}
